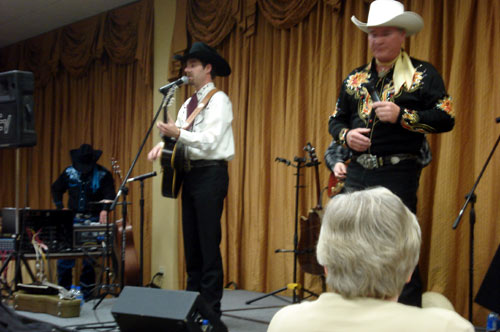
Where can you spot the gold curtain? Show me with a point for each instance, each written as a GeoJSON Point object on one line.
{"type": "Point", "coordinates": [284, 85]}
{"type": "Point", "coordinates": [94, 85]}
{"type": "Point", "coordinates": [210, 21]}
{"type": "Point", "coordinates": [285, 14]}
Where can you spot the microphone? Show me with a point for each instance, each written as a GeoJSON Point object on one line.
{"type": "Point", "coordinates": [283, 160]}
{"type": "Point", "coordinates": [181, 81]}
{"type": "Point", "coordinates": [371, 90]}
{"type": "Point", "coordinates": [497, 119]}
{"type": "Point", "coordinates": [142, 177]}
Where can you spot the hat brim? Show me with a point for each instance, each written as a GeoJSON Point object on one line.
{"type": "Point", "coordinates": [221, 67]}
{"type": "Point", "coordinates": [409, 21]}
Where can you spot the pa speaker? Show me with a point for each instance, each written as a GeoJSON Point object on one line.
{"type": "Point", "coordinates": [154, 310]}
{"type": "Point", "coordinates": [17, 118]}
{"type": "Point", "coordinates": [489, 293]}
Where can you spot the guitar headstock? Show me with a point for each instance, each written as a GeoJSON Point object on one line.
{"type": "Point", "coordinates": [116, 168]}
{"type": "Point", "coordinates": [315, 162]}
{"type": "Point", "coordinates": [312, 152]}
{"type": "Point", "coordinates": [170, 96]}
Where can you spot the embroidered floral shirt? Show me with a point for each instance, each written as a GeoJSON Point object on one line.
{"type": "Point", "coordinates": [425, 108]}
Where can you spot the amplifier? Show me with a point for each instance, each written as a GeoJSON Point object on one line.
{"type": "Point", "coordinates": [89, 236]}
{"type": "Point", "coordinates": [7, 244]}
{"type": "Point", "coordinates": [54, 228]}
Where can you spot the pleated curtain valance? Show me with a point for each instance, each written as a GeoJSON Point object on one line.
{"type": "Point", "coordinates": [117, 34]}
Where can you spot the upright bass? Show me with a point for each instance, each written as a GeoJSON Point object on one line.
{"type": "Point", "coordinates": [310, 226]}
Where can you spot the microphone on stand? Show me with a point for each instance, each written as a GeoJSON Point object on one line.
{"type": "Point", "coordinates": [283, 160]}
{"type": "Point", "coordinates": [142, 177]}
{"type": "Point", "coordinates": [181, 81]}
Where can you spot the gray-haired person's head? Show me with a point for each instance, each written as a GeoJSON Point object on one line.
{"type": "Point", "coordinates": [369, 243]}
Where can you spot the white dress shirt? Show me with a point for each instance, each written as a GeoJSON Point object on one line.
{"type": "Point", "coordinates": [211, 135]}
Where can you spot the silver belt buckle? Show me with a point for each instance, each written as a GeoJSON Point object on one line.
{"type": "Point", "coordinates": [368, 161]}
{"type": "Point", "coordinates": [395, 160]}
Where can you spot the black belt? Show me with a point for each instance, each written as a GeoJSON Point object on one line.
{"type": "Point", "coordinates": [370, 161]}
{"type": "Point", "coordinates": [189, 164]}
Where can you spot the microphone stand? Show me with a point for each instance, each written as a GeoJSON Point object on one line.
{"type": "Point", "coordinates": [294, 286]}
{"type": "Point", "coordinates": [471, 198]}
{"type": "Point", "coordinates": [141, 204]}
{"type": "Point", "coordinates": [123, 189]}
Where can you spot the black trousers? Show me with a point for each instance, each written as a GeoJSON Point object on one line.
{"type": "Point", "coordinates": [402, 179]}
{"type": "Point", "coordinates": [203, 193]}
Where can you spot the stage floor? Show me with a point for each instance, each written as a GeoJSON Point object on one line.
{"type": "Point", "coordinates": [238, 316]}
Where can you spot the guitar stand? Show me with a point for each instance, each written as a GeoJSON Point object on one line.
{"type": "Point", "coordinates": [19, 258]}
{"type": "Point", "coordinates": [109, 289]}
{"type": "Point", "coordinates": [294, 286]}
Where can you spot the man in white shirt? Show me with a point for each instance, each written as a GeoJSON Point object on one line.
{"type": "Point", "coordinates": [209, 146]}
{"type": "Point", "coordinates": [369, 245]}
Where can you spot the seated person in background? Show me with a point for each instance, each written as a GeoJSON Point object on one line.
{"type": "Point", "coordinates": [86, 182]}
{"type": "Point", "coordinates": [369, 245]}
{"type": "Point", "coordinates": [337, 156]}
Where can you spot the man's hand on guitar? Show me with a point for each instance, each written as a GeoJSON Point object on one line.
{"type": "Point", "coordinates": [155, 152]}
{"type": "Point", "coordinates": [340, 170]}
{"type": "Point", "coordinates": [169, 129]}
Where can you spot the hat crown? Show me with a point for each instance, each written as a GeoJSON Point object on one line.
{"type": "Point", "coordinates": [382, 11]}
{"type": "Point", "coordinates": [205, 53]}
{"type": "Point", "coordinates": [86, 153]}
{"type": "Point", "coordinates": [390, 13]}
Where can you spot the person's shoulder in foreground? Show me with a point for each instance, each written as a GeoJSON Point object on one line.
{"type": "Point", "coordinates": [331, 312]}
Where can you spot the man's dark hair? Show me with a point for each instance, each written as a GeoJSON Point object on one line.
{"type": "Point", "coordinates": [205, 63]}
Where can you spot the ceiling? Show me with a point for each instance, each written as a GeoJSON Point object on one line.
{"type": "Point", "coordinates": [23, 19]}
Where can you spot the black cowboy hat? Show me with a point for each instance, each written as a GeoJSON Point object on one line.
{"type": "Point", "coordinates": [85, 158]}
{"type": "Point", "coordinates": [203, 52]}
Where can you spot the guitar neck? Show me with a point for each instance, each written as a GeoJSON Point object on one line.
{"type": "Point", "coordinates": [318, 188]}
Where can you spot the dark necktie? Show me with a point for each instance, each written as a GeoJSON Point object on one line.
{"type": "Point", "coordinates": [191, 106]}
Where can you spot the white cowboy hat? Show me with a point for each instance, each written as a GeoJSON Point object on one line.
{"type": "Point", "coordinates": [390, 13]}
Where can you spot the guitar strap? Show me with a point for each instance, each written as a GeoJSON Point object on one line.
{"type": "Point", "coordinates": [199, 108]}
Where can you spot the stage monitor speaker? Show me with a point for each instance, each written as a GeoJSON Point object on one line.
{"type": "Point", "coordinates": [17, 118]}
{"type": "Point", "coordinates": [154, 310]}
{"type": "Point", "coordinates": [488, 295]}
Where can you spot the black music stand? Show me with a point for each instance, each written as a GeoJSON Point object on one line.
{"type": "Point", "coordinates": [294, 286]}
{"type": "Point", "coordinates": [471, 198]}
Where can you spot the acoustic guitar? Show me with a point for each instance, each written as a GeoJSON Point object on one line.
{"type": "Point", "coordinates": [172, 163]}
{"type": "Point", "coordinates": [310, 226]}
{"type": "Point", "coordinates": [132, 270]}
{"type": "Point", "coordinates": [335, 185]}
{"type": "Point", "coordinates": [172, 158]}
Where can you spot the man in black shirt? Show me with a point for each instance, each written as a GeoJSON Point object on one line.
{"type": "Point", "coordinates": [386, 107]}
{"type": "Point", "coordinates": [86, 182]}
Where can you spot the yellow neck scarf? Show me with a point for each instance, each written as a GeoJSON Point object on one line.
{"type": "Point", "coordinates": [403, 72]}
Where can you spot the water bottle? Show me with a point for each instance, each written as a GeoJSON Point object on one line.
{"type": "Point", "coordinates": [492, 322]}
{"type": "Point", "coordinates": [79, 295]}
{"type": "Point", "coordinates": [72, 291]}
{"type": "Point", "coordinates": [204, 325]}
